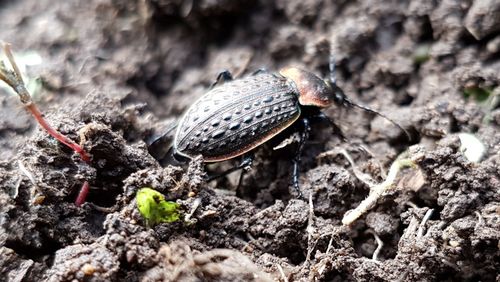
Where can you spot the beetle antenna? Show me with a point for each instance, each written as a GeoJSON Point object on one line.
{"type": "Point", "coordinates": [331, 65]}
{"type": "Point", "coordinates": [349, 103]}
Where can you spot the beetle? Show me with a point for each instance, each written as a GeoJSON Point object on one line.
{"type": "Point", "coordinates": [238, 115]}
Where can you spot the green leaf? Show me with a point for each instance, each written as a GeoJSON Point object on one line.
{"type": "Point", "coordinates": [154, 208]}
{"type": "Point", "coordinates": [421, 53]}
{"type": "Point", "coordinates": [478, 94]}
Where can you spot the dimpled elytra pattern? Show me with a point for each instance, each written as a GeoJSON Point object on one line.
{"type": "Point", "coordinates": [237, 116]}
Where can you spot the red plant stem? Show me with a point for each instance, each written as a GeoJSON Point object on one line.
{"type": "Point", "coordinates": [14, 79]}
{"type": "Point", "coordinates": [54, 133]}
{"type": "Point", "coordinates": [82, 195]}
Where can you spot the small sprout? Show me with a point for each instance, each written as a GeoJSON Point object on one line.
{"type": "Point", "coordinates": [155, 209]}
{"type": "Point", "coordinates": [479, 94]}
{"type": "Point", "coordinates": [23, 61]}
{"type": "Point", "coordinates": [472, 148]}
{"type": "Point", "coordinates": [13, 78]}
{"type": "Point", "coordinates": [491, 103]}
{"type": "Point", "coordinates": [421, 53]}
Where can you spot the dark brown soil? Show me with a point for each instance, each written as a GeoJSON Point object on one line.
{"type": "Point", "coordinates": [117, 73]}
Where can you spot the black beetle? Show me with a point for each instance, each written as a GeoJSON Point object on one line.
{"type": "Point", "coordinates": [235, 117]}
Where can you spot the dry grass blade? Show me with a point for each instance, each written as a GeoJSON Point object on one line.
{"type": "Point", "coordinates": [10, 57]}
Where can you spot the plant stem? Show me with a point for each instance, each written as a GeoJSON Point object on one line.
{"type": "Point", "coordinates": [82, 195]}
{"type": "Point", "coordinates": [14, 79]}
{"type": "Point", "coordinates": [32, 108]}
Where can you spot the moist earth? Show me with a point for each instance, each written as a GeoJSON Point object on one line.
{"type": "Point", "coordinates": [114, 75]}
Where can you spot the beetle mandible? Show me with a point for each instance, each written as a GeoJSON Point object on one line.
{"type": "Point", "coordinates": [237, 116]}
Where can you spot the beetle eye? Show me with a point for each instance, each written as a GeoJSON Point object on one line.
{"type": "Point", "coordinates": [339, 95]}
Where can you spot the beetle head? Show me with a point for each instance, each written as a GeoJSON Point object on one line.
{"type": "Point", "coordinates": [313, 91]}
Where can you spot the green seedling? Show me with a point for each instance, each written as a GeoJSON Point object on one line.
{"type": "Point", "coordinates": [479, 94]}
{"type": "Point", "coordinates": [487, 98]}
{"type": "Point", "coordinates": [155, 209]}
{"type": "Point", "coordinates": [421, 53]}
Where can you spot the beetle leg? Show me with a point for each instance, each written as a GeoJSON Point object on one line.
{"type": "Point", "coordinates": [156, 139]}
{"type": "Point", "coordinates": [336, 129]}
{"type": "Point", "coordinates": [158, 146]}
{"type": "Point", "coordinates": [296, 160]}
{"type": "Point", "coordinates": [222, 77]}
{"type": "Point", "coordinates": [260, 70]}
{"type": "Point", "coordinates": [246, 162]}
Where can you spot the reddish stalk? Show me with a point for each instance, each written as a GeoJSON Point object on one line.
{"type": "Point", "coordinates": [54, 133]}
{"type": "Point", "coordinates": [14, 79]}
{"type": "Point", "coordinates": [82, 195]}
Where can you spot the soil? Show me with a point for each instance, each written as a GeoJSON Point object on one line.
{"type": "Point", "coordinates": [114, 74]}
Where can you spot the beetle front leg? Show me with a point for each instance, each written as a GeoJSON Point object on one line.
{"type": "Point", "coordinates": [260, 70]}
{"type": "Point", "coordinates": [160, 145]}
{"type": "Point", "coordinates": [296, 160]}
{"type": "Point", "coordinates": [222, 77]}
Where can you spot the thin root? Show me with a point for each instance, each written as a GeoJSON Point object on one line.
{"type": "Point", "coordinates": [103, 209]}
{"type": "Point", "coordinates": [426, 218]}
{"type": "Point", "coordinates": [376, 191]}
{"type": "Point", "coordinates": [310, 228]}
{"type": "Point", "coordinates": [363, 177]}
{"type": "Point", "coordinates": [16, 187]}
{"type": "Point", "coordinates": [26, 172]}
{"type": "Point", "coordinates": [380, 245]}
{"type": "Point", "coordinates": [330, 244]}
{"type": "Point", "coordinates": [372, 155]}
{"type": "Point", "coordinates": [283, 276]}
{"type": "Point", "coordinates": [480, 219]}
{"type": "Point", "coordinates": [34, 189]}
{"type": "Point", "coordinates": [196, 204]}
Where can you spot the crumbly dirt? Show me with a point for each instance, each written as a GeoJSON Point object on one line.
{"type": "Point", "coordinates": [115, 74]}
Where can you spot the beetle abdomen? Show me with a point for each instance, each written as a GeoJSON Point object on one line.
{"type": "Point", "coordinates": [237, 116]}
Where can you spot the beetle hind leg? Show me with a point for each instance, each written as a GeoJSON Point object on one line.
{"type": "Point", "coordinates": [245, 163]}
